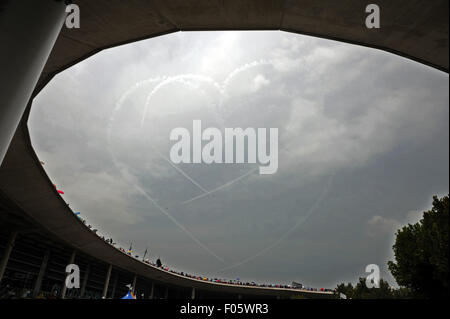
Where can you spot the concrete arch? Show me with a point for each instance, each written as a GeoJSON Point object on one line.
{"type": "Point", "coordinates": [414, 29]}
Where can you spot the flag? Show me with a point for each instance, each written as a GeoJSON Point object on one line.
{"type": "Point", "coordinates": [129, 295]}
{"type": "Point", "coordinates": [130, 251]}
{"type": "Point", "coordinates": [61, 192]}
{"type": "Point", "coordinates": [145, 253]}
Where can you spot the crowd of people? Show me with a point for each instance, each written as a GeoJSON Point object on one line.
{"type": "Point", "coordinates": [158, 264]}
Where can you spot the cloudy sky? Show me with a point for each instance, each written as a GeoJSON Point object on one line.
{"type": "Point", "coordinates": [363, 146]}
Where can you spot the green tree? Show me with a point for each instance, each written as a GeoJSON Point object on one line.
{"type": "Point", "coordinates": [347, 290]}
{"type": "Point", "coordinates": [361, 291]}
{"type": "Point", "coordinates": [421, 253]}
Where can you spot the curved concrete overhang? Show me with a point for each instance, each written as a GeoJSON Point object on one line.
{"type": "Point", "coordinates": [414, 29]}
{"type": "Point", "coordinates": [23, 179]}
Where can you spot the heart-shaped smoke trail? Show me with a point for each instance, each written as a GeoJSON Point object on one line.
{"type": "Point", "coordinates": [188, 79]}
{"type": "Point", "coordinates": [135, 184]}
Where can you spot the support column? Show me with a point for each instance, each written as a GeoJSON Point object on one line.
{"type": "Point", "coordinates": [105, 287]}
{"type": "Point", "coordinates": [28, 30]}
{"type": "Point", "coordinates": [7, 253]}
{"type": "Point", "coordinates": [133, 285]}
{"type": "Point", "coordinates": [85, 279]}
{"type": "Point", "coordinates": [38, 284]}
{"type": "Point", "coordinates": [71, 261]}
{"type": "Point", "coordinates": [113, 293]}
{"type": "Point", "coordinates": [193, 293]}
{"type": "Point", "coordinates": [152, 291]}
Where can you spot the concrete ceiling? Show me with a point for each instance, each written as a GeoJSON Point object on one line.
{"type": "Point", "coordinates": [415, 29]}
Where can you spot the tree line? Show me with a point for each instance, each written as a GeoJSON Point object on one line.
{"type": "Point", "coordinates": [421, 260]}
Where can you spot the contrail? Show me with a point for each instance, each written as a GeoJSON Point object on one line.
{"type": "Point", "coordinates": [178, 78]}
{"type": "Point", "coordinates": [183, 78]}
{"type": "Point", "coordinates": [226, 184]}
{"type": "Point", "coordinates": [176, 222]}
{"type": "Point", "coordinates": [220, 187]}
{"type": "Point", "coordinates": [244, 68]}
{"type": "Point", "coordinates": [143, 192]}
{"type": "Point", "coordinates": [226, 82]}
{"type": "Point", "coordinates": [285, 235]}
{"type": "Point", "coordinates": [180, 170]}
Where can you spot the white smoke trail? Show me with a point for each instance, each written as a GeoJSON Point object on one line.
{"type": "Point", "coordinates": [180, 171]}
{"type": "Point", "coordinates": [187, 80]}
{"type": "Point", "coordinates": [182, 78]}
{"type": "Point", "coordinates": [135, 185]}
{"type": "Point", "coordinates": [220, 187]}
{"type": "Point", "coordinates": [243, 68]}
{"type": "Point", "coordinates": [285, 235]}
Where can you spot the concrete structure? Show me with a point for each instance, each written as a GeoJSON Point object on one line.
{"type": "Point", "coordinates": [30, 205]}
{"type": "Point", "coordinates": [28, 31]}
{"type": "Point", "coordinates": [71, 261]}
{"type": "Point", "coordinates": [108, 276]}
{"type": "Point", "coordinates": [42, 269]}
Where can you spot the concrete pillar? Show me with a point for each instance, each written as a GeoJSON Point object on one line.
{"type": "Point", "coordinates": [71, 261]}
{"type": "Point", "coordinates": [152, 292]}
{"type": "Point", "coordinates": [113, 292]}
{"type": "Point", "coordinates": [105, 287]}
{"type": "Point", "coordinates": [28, 30]}
{"type": "Point", "coordinates": [7, 253]}
{"type": "Point", "coordinates": [38, 283]}
{"type": "Point", "coordinates": [133, 285]}
{"type": "Point", "coordinates": [193, 293]}
{"type": "Point", "coordinates": [85, 279]}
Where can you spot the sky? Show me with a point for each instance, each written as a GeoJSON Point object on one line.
{"type": "Point", "coordinates": [363, 138]}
